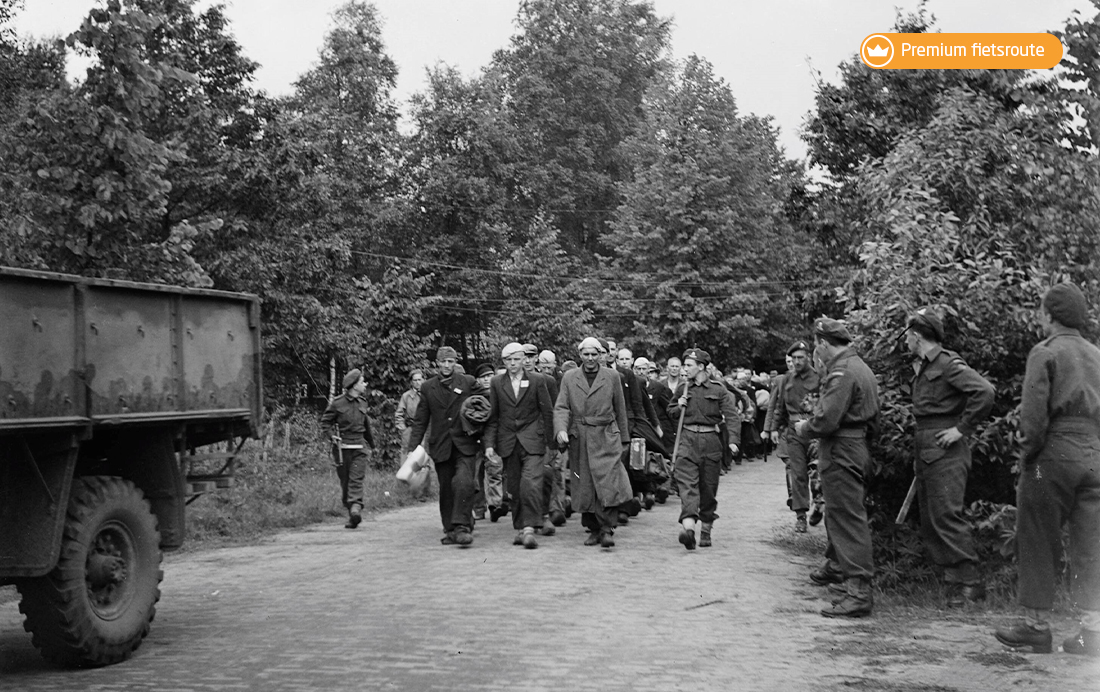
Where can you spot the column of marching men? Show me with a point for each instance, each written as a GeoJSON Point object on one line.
{"type": "Point", "coordinates": [606, 437]}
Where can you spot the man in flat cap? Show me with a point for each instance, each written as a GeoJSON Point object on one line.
{"type": "Point", "coordinates": [848, 405]}
{"type": "Point", "coordinates": [705, 403]}
{"type": "Point", "coordinates": [795, 399]}
{"type": "Point", "coordinates": [345, 421]}
{"type": "Point", "coordinates": [453, 450]}
{"type": "Point", "coordinates": [520, 431]}
{"type": "Point", "coordinates": [590, 416]}
{"type": "Point", "coordinates": [661, 397]}
{"type": "Point", "coordinates": [1059, 477]}
{"type": "Point", "coordinates": [950, 400]}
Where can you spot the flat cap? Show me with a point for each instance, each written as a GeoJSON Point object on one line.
{"type": "Point", "coordinates": [798, 346]}
{"type": "Point", "coordinates": [484, 369]}
{"type": "Point", "coordinates": [605, 345]}
{"type": "Point", "coordinates": [834, 329]}
{"type": "Point", "coordinates": [698, 355]}
{"type": "Point", "coordinates": [530, 350]}
{"type": "Point", "coordinates": [446, 352]}
{"type": "Point", "coordinates": [511, 349]}
{"type": "Point", "coordinates": [927, 318]}
{"type": "Point", "coordinates": [591, 342]}
{"type": "Point", "coordinates": [353, 376]}
{"type": "Point", "coordinates": [643, 363]}
{"type": "Point", "coordinates": [1066, 303]}
{"type": "Point", "coordinates": [547, 356]}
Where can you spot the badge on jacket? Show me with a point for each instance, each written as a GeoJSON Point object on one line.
{"type": "Point", "coordinates": [458, 390]}
{"type": "Point", "coordinates": [524, 383]}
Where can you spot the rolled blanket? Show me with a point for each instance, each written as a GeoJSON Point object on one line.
{"type": "Point", "coordinates": [473, 414]}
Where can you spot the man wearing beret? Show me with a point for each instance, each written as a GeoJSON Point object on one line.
{"type": "Point", "coordinates": [705, 403]}
{"type": "Point", "coordinates": [950, 399]}
{"type": "Point", "coordinates": [345, 421]}
{"type": "Point", "coordinates": [453, 450]}
{"type": "Point", "coordinates": [1059, 477]}
{"type": "Point", "coordinates": [590, 416]}
{"type": "Point", "coordinates": [520, 432]}
{"type": "Point", "coordinates": [847, 407]}
{"type": "Point", "coordinates": [795, 399]}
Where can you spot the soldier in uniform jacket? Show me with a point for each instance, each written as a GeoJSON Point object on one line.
{"type": "Point", "coordinates": [345, 421]}
{"type": "Point", "coordinates": [950, 399]}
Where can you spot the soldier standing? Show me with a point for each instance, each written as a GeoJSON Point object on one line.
{"type": "Point", "coordinates": [1059, 477]}
{"type": "Point", "coordinates": [345, 421]}
{"type": "Point", "coordinates": [793, 398]}
{"type": "Point", "coordinates": [848, 405]}
{"type": "Point", "coordinates": [705, 404]}
{"type": "Point", "coordinates": [949, 400]}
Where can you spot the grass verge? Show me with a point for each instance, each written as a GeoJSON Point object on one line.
{"type": "Point", "coordinates": [294, 486]}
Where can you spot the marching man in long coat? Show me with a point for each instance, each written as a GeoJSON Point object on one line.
{"type": "Point", "coordinates": [590, 415]}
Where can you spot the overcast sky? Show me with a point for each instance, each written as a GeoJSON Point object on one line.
{"type": "Point", "coordinates": [767, 51]}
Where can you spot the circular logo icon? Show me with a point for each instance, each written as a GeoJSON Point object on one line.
{"type": "Point", "coordinates": [877, 50]}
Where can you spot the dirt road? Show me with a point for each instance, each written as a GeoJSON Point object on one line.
{"type": "Point", "coordinates": [387, 607]}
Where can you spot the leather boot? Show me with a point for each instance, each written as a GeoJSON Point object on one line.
{"type": "Point", "coordinates": [857, 603]}
{"type": "Point", "coordinates": [1020, 635]}
{"type": "Point", "coordinates": [704, 535]}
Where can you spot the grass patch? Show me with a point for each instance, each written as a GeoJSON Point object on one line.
{"type": "Point", "coordinates": [292, 486]}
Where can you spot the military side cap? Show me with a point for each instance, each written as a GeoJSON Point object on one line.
{"type": "Point", "coordinates": [353, 376]}
{"type": "Point", "coordinates": [798, 346]}
{"type": "Point", "coordinates": [928, 319]}
{"type": "Point", "coordinates": [484, 369]}
{"type": "Point", "coordinates": [698, 355]}
{"type": "Point", "coordinates": [834, 329]}
{"type": "Point", "coordinates": [446, 352]}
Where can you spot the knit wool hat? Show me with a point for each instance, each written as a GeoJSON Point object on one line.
{"type": "Point", "coordinates": [1066, 304]}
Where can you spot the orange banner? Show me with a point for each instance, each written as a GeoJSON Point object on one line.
{"type": "Point", "coordinates": [1037, 51]}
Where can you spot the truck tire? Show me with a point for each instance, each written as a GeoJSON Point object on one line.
{"type": "Point", "coordinates": [95, 606]}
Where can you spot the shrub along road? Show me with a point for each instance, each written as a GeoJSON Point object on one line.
{"type": "Point", "coordinates": [387, 607]}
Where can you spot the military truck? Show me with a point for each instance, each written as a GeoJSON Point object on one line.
{"type": "Point", "coordinates": [120, 402]}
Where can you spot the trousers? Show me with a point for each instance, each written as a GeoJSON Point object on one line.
{"type": "Point", "coordinates": [457, 487]}
{"type": "Point", "coordinates": [1061, 486]}
{"type": "Point", "coordinates": [941, 484]}
{"type": "Point", "coordinates": [698, 468]}
{"type": "Point", "coordinates": [843, 464]}
{"type": "Point", "coordinates": [523, 475]}
{"type": "Point", "coordinates": [351, 470]}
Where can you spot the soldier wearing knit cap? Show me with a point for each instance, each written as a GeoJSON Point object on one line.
{"type": "Point", "coordinates": [1059, 477]}
{"type": "Point", "coordinates": [345, 420]}
{"type": "Point", "coordinates": [454, 450]}
{"type": "Point", "coordinates": [950, 400]}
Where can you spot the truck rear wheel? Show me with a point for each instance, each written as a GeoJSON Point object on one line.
{"type": "Point", "coordinates": [95, 606]}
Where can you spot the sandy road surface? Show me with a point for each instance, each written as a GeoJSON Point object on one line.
{"type": "Point", "coordinates": [387, 607]}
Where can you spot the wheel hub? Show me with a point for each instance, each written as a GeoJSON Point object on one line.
{"type": "Point", "coordinates": [107, 570]}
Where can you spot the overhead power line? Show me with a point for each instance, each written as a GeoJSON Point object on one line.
{"type": "Point", "coordinates": [753, 278]}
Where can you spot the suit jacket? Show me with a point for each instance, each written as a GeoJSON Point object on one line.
{"type": "Point", "coordinates": [437, 415]}
{"type": "Point", "coordinates": [527, 421]}
{"type": "Point", "coordinates": [638, 405]}
{"type": "Point", "coordinates": [661, 396]}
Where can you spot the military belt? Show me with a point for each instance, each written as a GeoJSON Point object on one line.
{"type": "Point", "coordinates": [936, 422]}
{"type": "Point", "coordinates": [1075, 424]}
{"type": "Point", "coordinates": [859, 430]}
{"type": "Point", "coordinates": [700, 428]}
